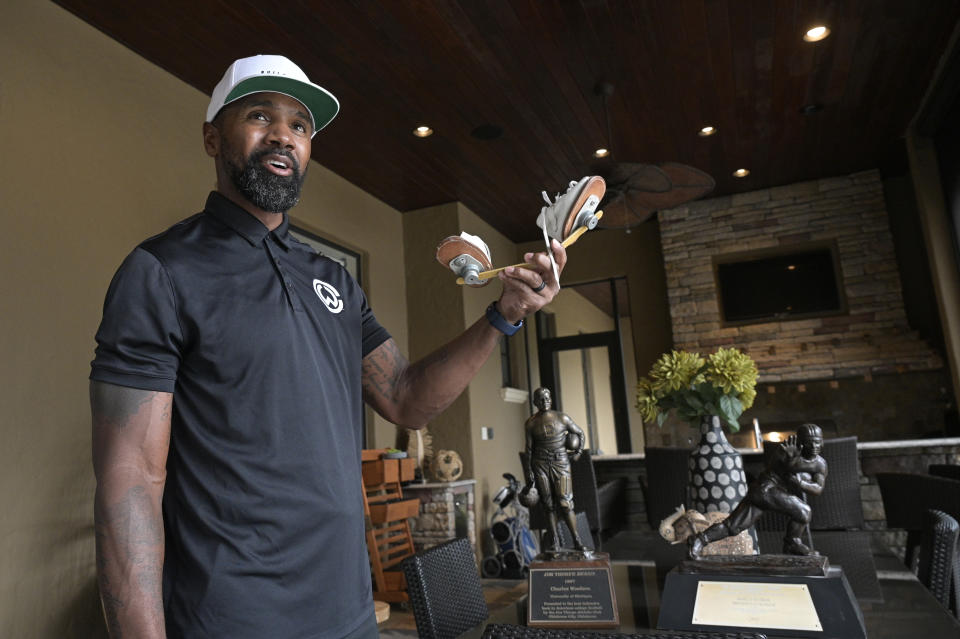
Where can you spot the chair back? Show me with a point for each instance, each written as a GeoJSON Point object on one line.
{"type": "Point", "coordinates": [445, 591]}
{"type": "Point", "coordinates": [665, 487]}
{"type": "Point", "coordinates": [839, 506]}
{"type": "Point", "coordinates": [585, 497]}
{"type": "Point", "coordinates": [938, 555]}
{"type": "Point", "coordinates": [566, 539]}
{"type": "Point", "coordinates": [908, 496]}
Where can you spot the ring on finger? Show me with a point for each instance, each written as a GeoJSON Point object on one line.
{"type": "Point", "coordinates": [543, 284]}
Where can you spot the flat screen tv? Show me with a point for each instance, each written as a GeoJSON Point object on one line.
{"type": "Point", "coordinates": [787, 285]}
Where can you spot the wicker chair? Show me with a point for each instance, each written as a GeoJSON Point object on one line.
{"type": "Point", "coordinates": [907, 496]}
{"type": "Point", "coordinates": [445, 591]}
{"type": "Point", "coordinates": [510, 631]}
{"type": "Point", "coordinates": [665, 487]}
{"type": "Point", "coordinates": [839, 506]}
{"type": "Point", "coordinates": [938, 564]}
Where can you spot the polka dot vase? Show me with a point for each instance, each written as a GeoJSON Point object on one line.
{"type": "Point", "coordinates": [716, 480]}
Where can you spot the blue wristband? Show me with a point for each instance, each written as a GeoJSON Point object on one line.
{"type": "Point", "coordinates": [499, 322]}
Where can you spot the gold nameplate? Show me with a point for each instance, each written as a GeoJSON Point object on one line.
{"type": "Point", "coordinates": [755, 605]}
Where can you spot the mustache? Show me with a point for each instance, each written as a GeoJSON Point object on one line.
{"type": "Point", "coordinates": [256, 156]}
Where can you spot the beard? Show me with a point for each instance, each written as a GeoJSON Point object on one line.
{"type": "Point", "coordinates": [264, 189]}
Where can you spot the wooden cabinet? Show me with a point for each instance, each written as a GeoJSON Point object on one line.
{"type": "Point", "coordinates": [388, 531]}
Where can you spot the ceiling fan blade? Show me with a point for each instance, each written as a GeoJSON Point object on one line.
{"type": "Point", "coordinates": [618, 214]}
{"type": "Point", "coordinates": [688, 184]}
{"type": "Point", "coordinates": [625, 176]}
{"type": "Point", "coordinates": [685, 176]}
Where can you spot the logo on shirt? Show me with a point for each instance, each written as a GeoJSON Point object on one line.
{"type": "Point", "coordinates": [329, 296]}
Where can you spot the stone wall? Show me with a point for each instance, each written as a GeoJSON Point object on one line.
{"type": "Point", "coordinates": [447, 511]}
{"type": "Point", "coordinates": [905, 405]}
{"type": "Point", "coordinates": [872, 338]}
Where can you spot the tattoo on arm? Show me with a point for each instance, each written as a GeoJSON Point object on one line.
{"type": "Point", "coordinates": [129, 539]}
{"type": "Point", "coordinates": [131, 438]}
{"type": "Point", "coordinates": [382, 370]}
{"type": "Point", "coordinates": [115, 405]}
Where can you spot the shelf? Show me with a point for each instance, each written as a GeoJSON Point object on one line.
{"type": "Point", "coordinates": [386, 471]}
{"type": "Point", "coordinates": [382, 513]}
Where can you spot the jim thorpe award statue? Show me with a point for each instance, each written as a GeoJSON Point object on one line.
{"type": "Point", "coordinates": [568, 587]}
{"type": "Point", "coordinates": [796, 591]}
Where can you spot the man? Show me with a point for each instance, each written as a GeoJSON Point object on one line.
{"type": "Point", "coordinates": [547, 433]}
{"type": "Point", "coordinates": [795, 471]}
{"type": "Point", "coordinates": [227, 392]}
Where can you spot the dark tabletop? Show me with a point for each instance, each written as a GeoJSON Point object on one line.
{"type": "Point", "coordinates": [894, 604]}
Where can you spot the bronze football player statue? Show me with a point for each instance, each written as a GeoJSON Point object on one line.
{"type": "Point", "coordinates": [796, 470]}
{"type": "Point", "coordinates": [552, 439]}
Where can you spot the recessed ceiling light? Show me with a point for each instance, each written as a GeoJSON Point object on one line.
{"type": "Point", "coordinates": [707, 130]}
{"type": "Point", "coordinates": [422, 131]}
{"type": "Point", "coordinates": [816, 34]}
{"type": "Point", "coordinates": [740, 173]}
{"type": "Point", "coordinates": [601, 153]}
{"type": "Point", "coordinates": [791, 267]}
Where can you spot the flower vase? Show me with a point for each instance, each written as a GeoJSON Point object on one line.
{"type": "Point", "coordinates": [716, 481]}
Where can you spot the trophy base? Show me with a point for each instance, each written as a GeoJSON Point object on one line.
{"type": "Point", "coordinates": [767, 593]}
{"type": "Point", "coordinates": [571, 589]}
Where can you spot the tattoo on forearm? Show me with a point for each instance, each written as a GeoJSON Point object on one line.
{"type": "Point", "coordinates": [129, 537]}
{"type": "Point", "coordinates": [382, 370]}
{"type": "Point", "coordinates": [115, 405]}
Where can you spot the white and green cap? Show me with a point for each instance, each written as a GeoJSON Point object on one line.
{"type": "Point", "coordinates": [274, 74]}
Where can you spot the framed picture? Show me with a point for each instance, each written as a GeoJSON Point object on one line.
{"type": "Point", "coordinates": [348, 259]}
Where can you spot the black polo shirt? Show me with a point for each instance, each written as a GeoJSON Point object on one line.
{"type": "Point", "coordinates": [260, 340]}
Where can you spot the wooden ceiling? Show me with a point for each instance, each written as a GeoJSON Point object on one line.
{"type": "Point", "coordinates": [530, 67]}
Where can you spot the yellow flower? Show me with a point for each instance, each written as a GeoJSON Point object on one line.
{"type": "Point", "coordinates": [731, 370]}
{"type": "Point", "coordinates": [675, 370]}
{"type": "Point", "coordinates": [646, 400]}
{"type": "Point", "coordinates": [746, 397]}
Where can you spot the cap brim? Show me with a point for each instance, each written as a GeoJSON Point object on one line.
{"type": "Point", "coordinates": [322, 105]}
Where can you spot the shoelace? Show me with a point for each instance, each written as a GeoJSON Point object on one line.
{"type": "Point", "coordinates": [546, 198]}
{"type": "Point", "coordinates": [546, 237]}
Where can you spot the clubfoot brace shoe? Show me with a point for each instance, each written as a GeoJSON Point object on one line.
{"type": "Point", "coordinates": [466, 255]}
{"type": "Point", "coordinates": [573, 209]}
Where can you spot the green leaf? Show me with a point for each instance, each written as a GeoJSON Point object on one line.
{"type": "Point", "coordinates": [730, 409]}
{"type": "Point", "coordinates": [708, 392]}
{"type": "Point", "coordinates": [661, 417]}
{"type": "Point", "coordinates": [692, 400]}
{"type": "Point", "coordinates": [737, 405]}
{"type": "Point", "coordinates": [726, 407]}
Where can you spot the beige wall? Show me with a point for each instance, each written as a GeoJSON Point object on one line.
{"type": "Point", "coordinates": [438, 310]}
{"type": "Point", "coordinates": [101, 150]}
{"type": "Point", "coordinates": [637, 256]}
